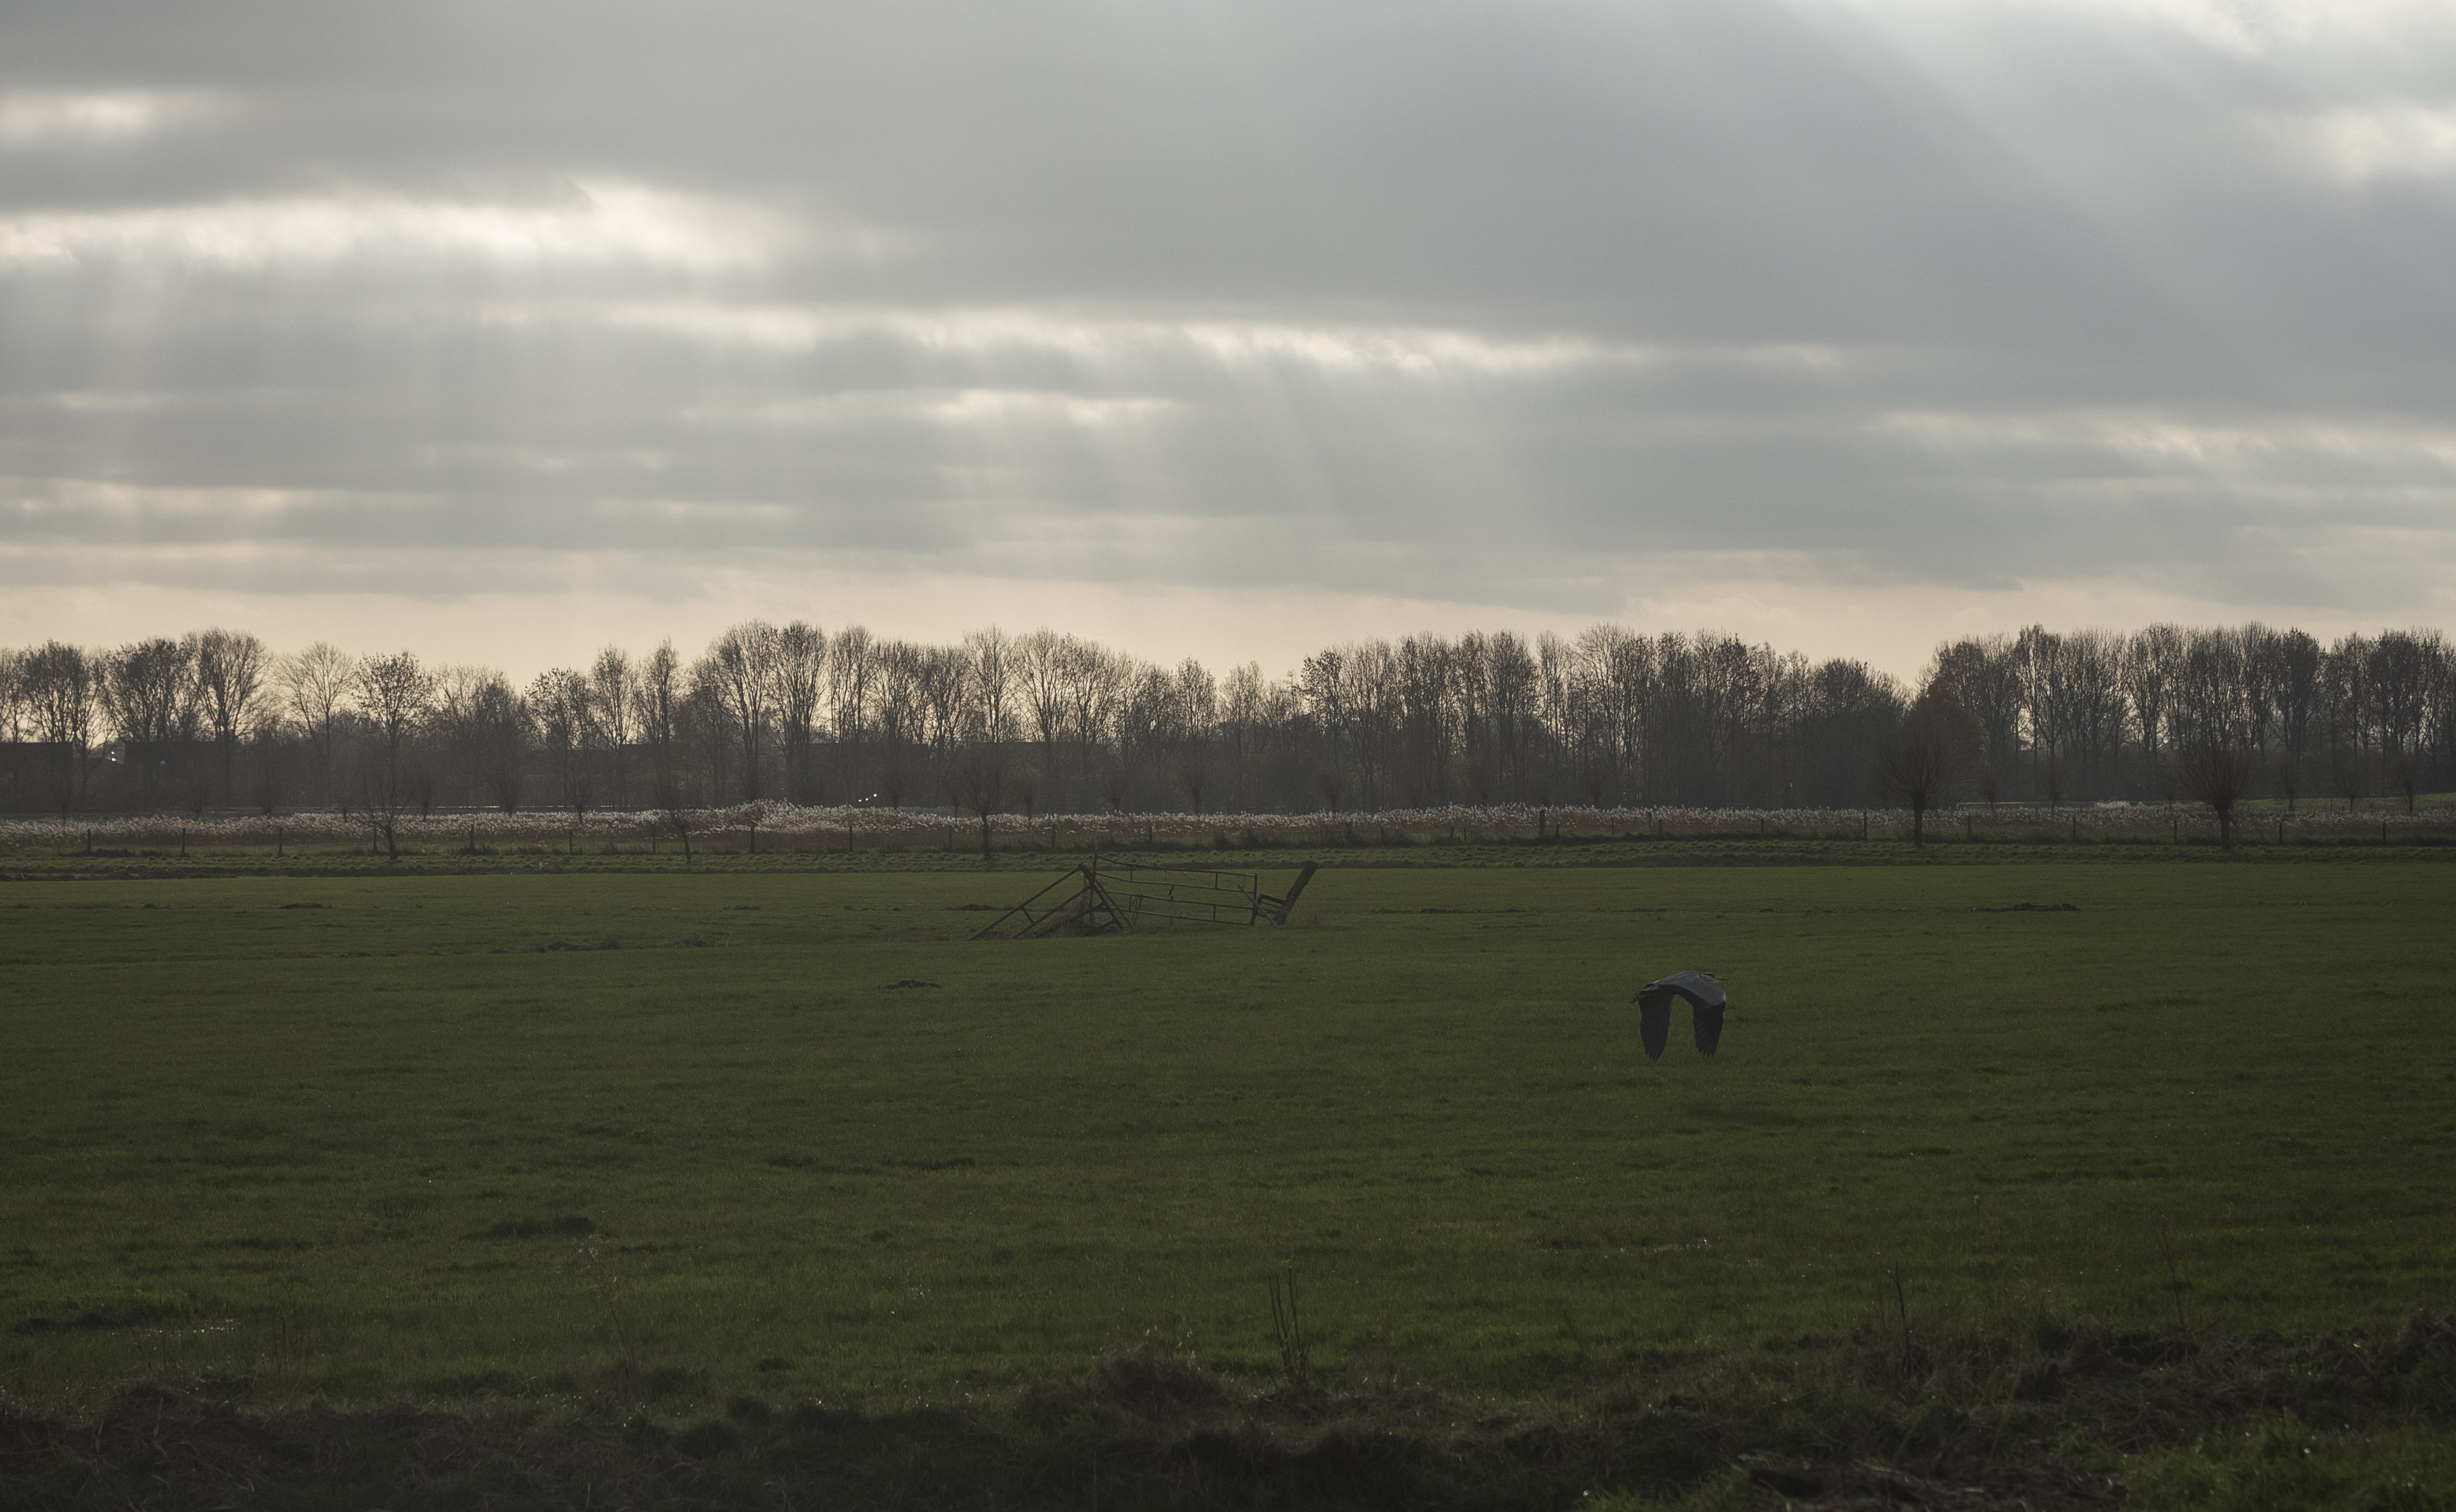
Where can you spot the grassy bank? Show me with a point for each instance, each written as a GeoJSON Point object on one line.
{"type": "Point", "coordinates": [2053, 1420]}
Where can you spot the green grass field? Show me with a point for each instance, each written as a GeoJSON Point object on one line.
{"type": "Point", "coordinates": [361, 1138]}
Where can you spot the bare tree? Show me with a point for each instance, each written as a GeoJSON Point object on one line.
{"type": "Point", "coordinates": [1512, 694]}
{"type": "Point", "coordinates": [1191, 718]}
{"type": "Point", "coordinates": [61, 687]}
{"type": "Point", "coordinates": [984, 781]}
{"type": "Point", "coordinates": [900, 717]}
{"type": "Point", "coordinates": [2295, 684]}
{"type": "Point", "coordinates": [1143, 733]}
{"type": "Point", "coordinates": [2440, 721]}
{"type": "Point", "coordinates": [1244, 716]}
{"type": "Point", "coordinates": [740, 672]}
{"type": "Point", "coordinates": [2093, 683]}
{"type": "Point", "coordinates": [230, 667]}
{"type": "Point", "coordinates": [2285, 775]}
{"type": "Point", "coordinates": [2072, 690]}
{"type": "Point", "coordinates": [149, 688]}
{"type": "Point", "coordinates": [1839, 743]}
{"type": "Point", "coordinates": [1095, 685]}
{"type": "Point", "coordinates": [2260, 670]}
{"type": "Point", "coordinates": [659, 706]}
{"type": "Point", "coordinates": [612, 691]}
{"type": "Point", "coordinates": [1324, 686]}
{"type": "Point", "coordinates": [2404, 776]}
{"type": "Point", "coordinates": [2150, 658]}
{"type": "Point", "coordinates": [1611, 683]}
{"type": "Point", "coordinates": [270, 753]}
{"type": "Point", "coordinates": [800, 678]}
{"type": "Point", "coordinates": [1932, 752]}
{"type": "Point", "coordinates": [671, 795]}
{"type": "Point", "coordinates": [2216, 770]}
{"type": "Point", "coordinates": [854, 673]}
{"type": "Point", "coordinates": [488, 726]}
{"type": "Point", "coordinates": [944, 679]}
{"type": "Point", "coordinates": [314, 687]}
{"type": "Point", "coordinates": [1427, 693]}
{"type": "Point", "coordinates": [2401, 672]}
{"type": "Point", "coordinates": [665, 707]}
{"type": "Point", "coordinates": [395, 695]}
{"type": "Point", "coordinates": [2215, 759]}
{"type": "Point", "coordinates": [1612, 716]}
{"type": "Point", "coordinates": [12, 694]}
{"type": "Point", "coordinates": [992, 656]}
{"type": "Point", "coordinates": [1985, 674]}
{"type": "Point", "coordinates": [13, 721]}
{"type": "Point", "coordinates": [1710, 720]}
{"type": "Point", "coordinates": [1330, 785]}
{"type": "Point", "coordinates": [564, 708]}
{"type": "Point", "coordinates": [2346, 701]}
{"type": "Point", "coordinates": [1043, 667]}
{"type": "Point", "coordinates": [1377, 690]}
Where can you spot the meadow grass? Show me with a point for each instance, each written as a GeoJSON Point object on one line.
{"type": "Point", "coordinates": [357, 1138]}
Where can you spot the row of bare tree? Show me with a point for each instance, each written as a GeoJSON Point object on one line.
{"type": "Point", "coordinates": [1048, 720]}
{"type": "Point", "coordinates": [2096, 714]}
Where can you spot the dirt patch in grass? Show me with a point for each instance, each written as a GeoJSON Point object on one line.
{"type": "Point", "coordinates": [2058, 1421]}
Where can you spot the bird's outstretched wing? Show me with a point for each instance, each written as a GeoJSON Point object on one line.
{"type": "Point", "coordinates": [1706, 1002]}
{"type": "Point", "coordinates": [1708, 1023]}
{"type": "Point", "coordinates": [1654, 1022]}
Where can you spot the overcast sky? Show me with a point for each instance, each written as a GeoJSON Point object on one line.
{"type": "Point", "coordinates": [503, 330]}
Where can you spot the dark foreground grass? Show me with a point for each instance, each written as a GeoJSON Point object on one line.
{"type": "Point", "coordinates": [2070, 1421]}
{"type": "Point", "coordinates": [369, 1174]}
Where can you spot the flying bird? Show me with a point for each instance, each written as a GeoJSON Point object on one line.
{"type": "Point", "coordinates": [1654, 1010]}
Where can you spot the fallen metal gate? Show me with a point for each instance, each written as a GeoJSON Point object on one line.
{"type": "Point", "coordinates": [1100, 897]}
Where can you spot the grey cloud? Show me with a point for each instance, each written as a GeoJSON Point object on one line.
{"type": "Point", "coordinates": [1505, 304]}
